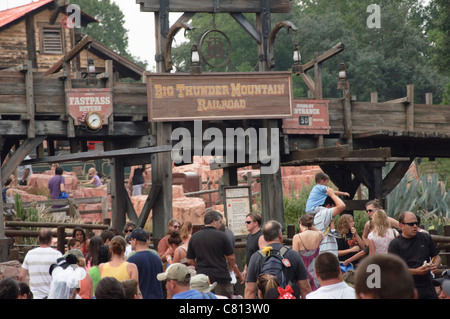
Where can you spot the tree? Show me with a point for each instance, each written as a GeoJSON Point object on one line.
{"type": "Point", "coordinates": [384, 60]}
{"type": "Point", "coordinates": [110, 30]}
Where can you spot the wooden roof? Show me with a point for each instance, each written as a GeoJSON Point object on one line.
{"type": "Point", "coordinates": [14, 15]}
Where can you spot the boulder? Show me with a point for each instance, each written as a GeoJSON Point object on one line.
{"type": "Point", "coordinates": [41, 180]}
{"type": "Point", "coordinates": [10, 269]}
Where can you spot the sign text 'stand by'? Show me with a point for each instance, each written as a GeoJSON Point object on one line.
{"type": "Point", "coordinates": [309, 117]}
{"type": "Point", "coordinates": [173, 97]}
{"type": "Point", "coordinates": [83, 101]}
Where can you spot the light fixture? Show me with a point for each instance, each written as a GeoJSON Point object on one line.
{"type": "Point", "coordinates": [342, 72]}
{"type": "Point", "coordinates": [91, 66]}
{"type": "Point", "coordinates": [297, 56]}
{"type": "Point", "coordinates": [196, 67]}
{"type": "Point", "coordinates": [195, 58]}
{"type": "Point", "coordinates": [91, 77]}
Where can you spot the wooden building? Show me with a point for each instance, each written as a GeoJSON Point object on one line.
{"type": "Point", "coordinates": [39, 32]}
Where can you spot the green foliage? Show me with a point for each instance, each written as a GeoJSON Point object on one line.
{"type": "Point", "coordinates": [381, 60]}
{"type": "Point", "coordinates": [295, 204]}
{"type": "Point", "coordinates": [425, 196]}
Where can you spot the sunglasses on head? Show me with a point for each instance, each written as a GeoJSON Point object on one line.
{"type": "Point", "coordinates": [411, 224]}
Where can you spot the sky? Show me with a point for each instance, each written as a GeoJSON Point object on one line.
{"type": "Point", "coordinates": [140, 26]}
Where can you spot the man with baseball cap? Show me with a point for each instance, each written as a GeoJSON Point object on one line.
{"type": "Point", "coordinates": [177, 277]}
{"type": "Point", "coordinates": [444, 284]}
{"type": "Point", "coordinates": [149, 265]}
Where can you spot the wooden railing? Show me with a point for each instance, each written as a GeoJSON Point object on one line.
{"type": "Point", "coordinates": [70, 205]}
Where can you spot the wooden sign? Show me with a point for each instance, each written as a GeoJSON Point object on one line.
{"type": "Point", "coordinates": [237, 206]}
{"type": "Point", "coordinates": [309, 117]}
{"type": "Point", "coordinates": [82, 102]}
{"type": "Point", "coordinates": [219, 96]}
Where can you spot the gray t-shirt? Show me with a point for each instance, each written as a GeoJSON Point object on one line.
{"type": "Point", "coordinates": [322, 222]}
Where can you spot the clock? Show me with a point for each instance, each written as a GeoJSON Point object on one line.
{"type": "Point", "coordinates": [94, 120]}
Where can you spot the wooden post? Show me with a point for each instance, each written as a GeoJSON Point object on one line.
{"type": "Point", "coordinates": [317, 77]}
{"type": "Point", "coordinates": [162, 163]}
{"type": "Point", "coordinates": [374, 97]}
{"type": "Point", "coordinates": [109, 85]}
{"type": "Point", "coordinates": [429, 98]}
{"type": "Point", "coordinates": [61, 236]}
{"type": "Point", "coordinates": [29, 91]}
{"type": "Point", "coordinates": [348, 116]}
{"type": "Point", "coordinates": [272, 187]}
{"type": "Point", "coordinates": [67, 86]}
{"type": "Point", "coordinates": [410, 108]}
{"type": "Point", "coordinates": [117, 190]}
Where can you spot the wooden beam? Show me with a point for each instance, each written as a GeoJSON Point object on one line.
{"type": "Point", "coordinates": [98, 154]}
{"type": "Point", "coordinates": [394, 177]}
{"type": "Point", "coordinates": [213, 6]}
{"type": "Point", "coordinates": [149, 203]}
{"type": "Point", "coordinates": [69, 55]}
{"type": "Point", "coordinates": [17, 157]}
{"type": "Point", "coordinates": [323, 57]}
{"type": "Point", "coordinates": [332, 151]}
{"type": "Point", "coordinates": [248, 27]}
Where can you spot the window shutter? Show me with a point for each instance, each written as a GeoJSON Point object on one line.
{"type": "Point", "coordinates": [52, 42]}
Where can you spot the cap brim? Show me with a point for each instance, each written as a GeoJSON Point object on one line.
{"type": "Point", "coordinates": [162, 276]}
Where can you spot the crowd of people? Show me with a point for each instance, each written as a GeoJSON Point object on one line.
{"type": "Point", "coordinates": [392, 259]}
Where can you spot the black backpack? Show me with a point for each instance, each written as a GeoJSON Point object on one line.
{"type": "Point", "coordinates": [276, 264]}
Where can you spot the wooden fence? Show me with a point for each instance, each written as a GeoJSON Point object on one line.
{"type": "Point", "coordinates": [70, 205]}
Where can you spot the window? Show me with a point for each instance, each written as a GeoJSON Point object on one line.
{"type": "Point", "coordinates": [51, 40]}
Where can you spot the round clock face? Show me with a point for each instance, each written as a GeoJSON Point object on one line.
{"type": "Point", "coordinates": [94, 120]}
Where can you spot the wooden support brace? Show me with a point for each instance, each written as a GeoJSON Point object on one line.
{"type": "Point", "coordinates": [149, 203]}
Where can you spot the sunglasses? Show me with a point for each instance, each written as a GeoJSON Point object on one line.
{"type": "Point", "coordinates": [369, 210]}
{"type": "Point", "coordinates": [129, 230]}
{"type": "Point", "coordinates": [411, 224]}
{"type": "Point", "coordinates": [248, 222]}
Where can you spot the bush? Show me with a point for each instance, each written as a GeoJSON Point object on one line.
{"type": "Point", "coordinates": [295, 204]}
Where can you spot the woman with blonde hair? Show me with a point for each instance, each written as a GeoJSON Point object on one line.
{"type": "Point", "coordinates": [307, 243]}
{"type": "Point", "coordinates": [381, 234]}
{"type": "Point", "coordinates": [117, 267]}
{"type": "Point", "coordinates": [93, 178]}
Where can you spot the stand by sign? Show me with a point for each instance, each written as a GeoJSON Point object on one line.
{"type": "Point", "coordinates": [309, 117]}
{"type": "Point", "coordinates": [208, 96]}
{"type": "Point", "coordinates": [238, 201]}
{"type": "Point", "coordinates": [82, 102]}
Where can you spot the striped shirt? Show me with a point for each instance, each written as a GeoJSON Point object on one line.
{"type": "Point", "coordinates": [322, 222]}
{"type": "Point", "coordinates": [37, 261]}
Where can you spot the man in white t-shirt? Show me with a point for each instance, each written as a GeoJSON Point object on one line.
{"type": "Point", "coordinates": [332, 206]}
{"type": "Point", "coordinates": [36, 265]}
{"type": "Point", "coordinates": [330, 279]}
{"type": "Point", "coordinates": [23, 172]}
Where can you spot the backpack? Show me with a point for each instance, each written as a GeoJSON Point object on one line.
{"type": "Point", "coordinates": [273, 262]}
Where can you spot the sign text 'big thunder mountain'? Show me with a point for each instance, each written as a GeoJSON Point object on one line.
{"type": "Point", "coordinates": [209, 96]}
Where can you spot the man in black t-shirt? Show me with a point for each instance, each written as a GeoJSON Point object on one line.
{"type": "Point", "coordinates": [419, 252]}
{"type": "Point", "coordinates": [254, 238]}
{"type": "Point", "coordinates": [211, 253]}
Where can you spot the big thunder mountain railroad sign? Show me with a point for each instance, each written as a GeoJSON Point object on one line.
{"type": "Point", "coordinates": [224, 96]}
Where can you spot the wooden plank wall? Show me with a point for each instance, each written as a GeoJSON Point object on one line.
{"type": "Point", "coordinates": [130, 100]}
{"type": "Point", "coordinates": [432, 118]}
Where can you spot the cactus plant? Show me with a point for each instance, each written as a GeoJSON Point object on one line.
{"type": "Point", "coordinates": [426, 196]}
